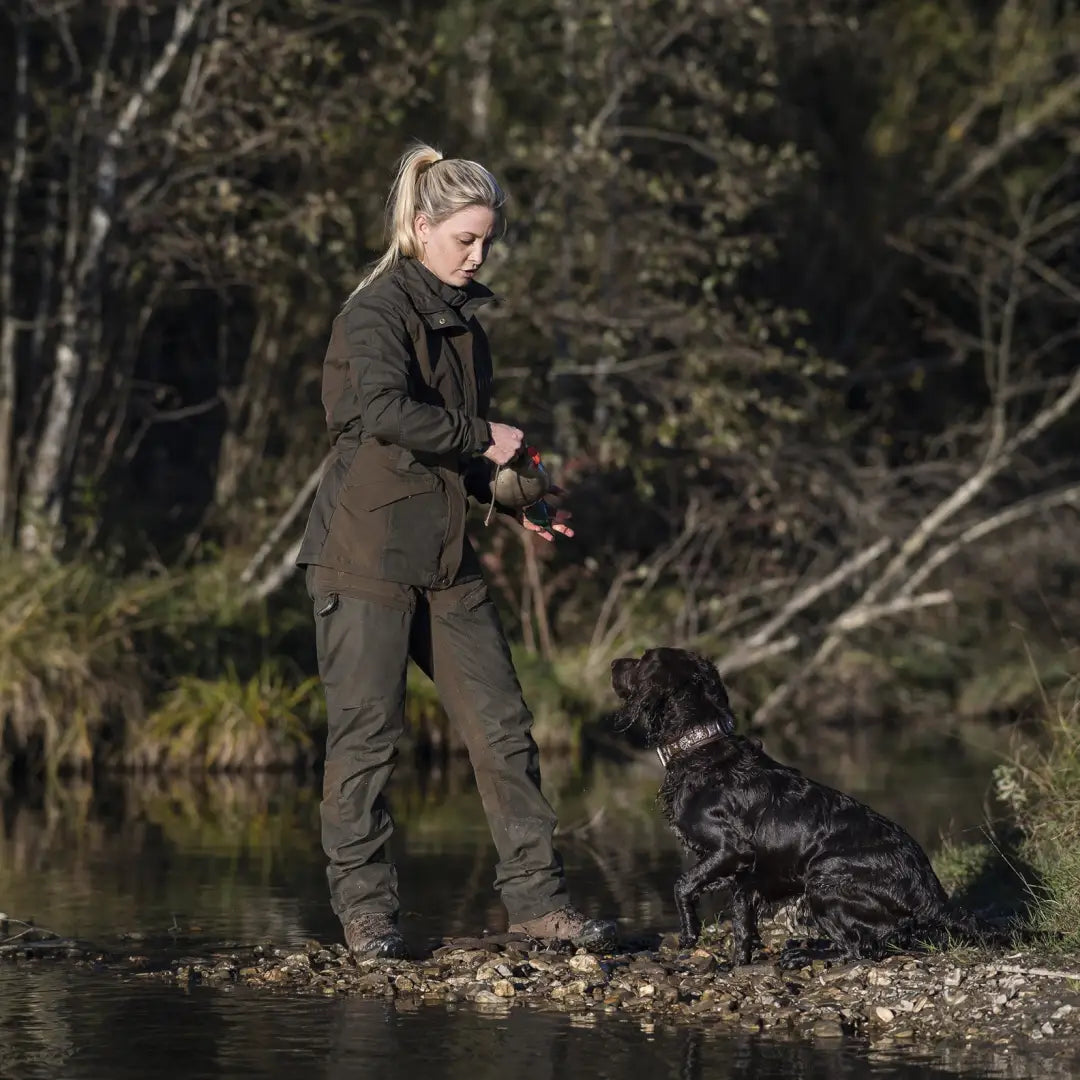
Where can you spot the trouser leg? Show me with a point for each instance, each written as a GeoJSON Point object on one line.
{"type": "Point", "coordinates": [459, 641]}
{"type": "Point", "coordinates": [363, 648]}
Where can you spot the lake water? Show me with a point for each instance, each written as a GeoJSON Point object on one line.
{"type": "Point", "coordinates": [192, 866]}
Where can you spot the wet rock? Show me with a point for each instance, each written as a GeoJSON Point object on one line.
{"type": "Point", "coordinates": [375, 981]}
{"type": "Point", "coordinates": [922, 1004]}
{"type": "Point", "coordinates": [487, 997]}
{"type": "Point", "coordinates": [587, 964]}
{"type": "Point", "coordinates": [827, 1029]}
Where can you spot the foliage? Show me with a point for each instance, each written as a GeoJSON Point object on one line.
{"type": "Point", "coordinates": [263, 721]}
{"type": "Point", "coordinates": [67, 667]}
{"type": "Point", "coordinates": [780, 282]}
{"type": "Point", "coordinates": [1041, 787]}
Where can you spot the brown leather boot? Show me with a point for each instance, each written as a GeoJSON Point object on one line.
{"type": "Point", "coordinates": [568, 924]}
{"type": "Point", "coordinates": [375, 936]}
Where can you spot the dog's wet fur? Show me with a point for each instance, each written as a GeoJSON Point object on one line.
{"type": "Point", "coordinates": [769, 834]}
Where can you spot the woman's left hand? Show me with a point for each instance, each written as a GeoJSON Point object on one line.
{"type": "Point", "coordinates": [558, 520]}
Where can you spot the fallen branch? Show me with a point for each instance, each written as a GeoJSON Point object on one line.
{"type": "Point", "coordinates": [277, 577]}
{"type": "Point", "coordinates": [1046, 973]}
{"type": "Point", "coordinates": [799, 602]}
{"type": "Point", "coordinates": [285, 521]}
{"type": "Point", "coordinates": [1069, 496]}
{"type": "Point", "coordinates": [856, 620]}
{"type": "Point", "coordinates": [921, 535]}
{"type": "Point", "coordinates": [744, 658]}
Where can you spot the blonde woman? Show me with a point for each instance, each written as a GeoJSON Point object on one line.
{"type": "Point", "coordinates": [406, 388]}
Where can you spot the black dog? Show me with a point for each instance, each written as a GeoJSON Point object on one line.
{"type": "Point", "coordinates": [769, 833]}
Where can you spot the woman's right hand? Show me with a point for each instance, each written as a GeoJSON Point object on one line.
{"type": "Point", "coordinates": [506, 441]}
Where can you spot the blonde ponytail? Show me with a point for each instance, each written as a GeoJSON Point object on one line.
{"type": "Point", "coordinates": [429, 184]}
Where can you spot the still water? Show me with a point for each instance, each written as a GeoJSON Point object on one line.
{"type": "Point", "coordinates": [187, 866]}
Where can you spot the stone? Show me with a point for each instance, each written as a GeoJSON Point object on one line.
{"type": "Point", "coordinates": [885, 1015]}
{"type": "Point", "coordinates": [827, 1029]}
{"type": "Point", "coordinates": [586, 964]}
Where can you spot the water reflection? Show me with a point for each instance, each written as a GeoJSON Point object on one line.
{"type": "Point", "coordinates": [191, 864]}
{"type": "Point", "coordinates": [228, 859]}
{"type": "Point", "coordinates": [55, 1024]}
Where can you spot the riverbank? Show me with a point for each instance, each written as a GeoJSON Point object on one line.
{"type": "Point", "coordinates": [1020, 1002]}
{"type": "Point", "coordinates": [179, 672]}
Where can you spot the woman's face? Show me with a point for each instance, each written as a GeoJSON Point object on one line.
{"type": "Point", "coordinates": [456, 248]}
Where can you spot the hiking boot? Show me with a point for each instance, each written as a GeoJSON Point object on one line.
{"type": "Point", "coordinates": [375, 936]}
{"type": "Point", "coordinates": [568, 924]}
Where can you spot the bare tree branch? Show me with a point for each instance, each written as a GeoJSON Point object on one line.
{"type": "Point", "coordinates": [1068, 496]}
{"type": "Point", "coordinates": [285, 521]}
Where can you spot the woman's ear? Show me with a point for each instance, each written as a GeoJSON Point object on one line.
{"type": "Point", "coordinates": [422, 227]}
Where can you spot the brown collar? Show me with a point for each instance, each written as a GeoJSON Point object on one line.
{"type": "Point", "coordinates": [710, 732]}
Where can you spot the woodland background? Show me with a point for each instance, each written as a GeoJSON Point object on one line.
{"type": "Point", "coordinates": [791, 306]}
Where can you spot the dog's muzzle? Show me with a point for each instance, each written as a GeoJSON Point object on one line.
{"type": "Point", "coordinates": [694, 739]}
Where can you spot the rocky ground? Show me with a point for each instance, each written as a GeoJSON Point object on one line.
{"type": "Point", "coordinates": [1002, 1003]}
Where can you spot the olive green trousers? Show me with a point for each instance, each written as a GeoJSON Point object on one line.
{"type": "Point", "coordinates": [366, 632]}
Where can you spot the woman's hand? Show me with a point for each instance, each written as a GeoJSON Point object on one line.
{"type": "Point", "coordinates": [506, 441]}
{"type": "Point", "coordinates": [557, 522]}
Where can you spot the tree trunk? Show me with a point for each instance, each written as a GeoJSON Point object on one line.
{"type": "Point", "coordinates": [8, 327]}
{"type": "Point", "coordinates": [42, 512]}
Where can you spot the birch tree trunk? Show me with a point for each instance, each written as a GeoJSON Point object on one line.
{"type": "Point", "coordinates": [8, 325]}
{"type": "Point", "coordinates": [42, 511]}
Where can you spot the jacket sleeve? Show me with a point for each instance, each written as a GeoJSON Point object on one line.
{"type": "Point", "coordinates": [378, 360]}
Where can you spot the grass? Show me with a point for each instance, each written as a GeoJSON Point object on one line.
{"type": "Point", "coordinates": [99, 669]}
{"type": "Point", "coordinates": [267, 720]}
{"type": "Point", "coordinates": [103, 669]}
{"type": "Point", "coordinates": [67, 662]}
{"type": "Point", "coordinates": [1029, 865]}
{"type": "Point", "coordinates": [1041, 788]}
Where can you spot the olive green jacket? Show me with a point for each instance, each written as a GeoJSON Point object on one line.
{"type": "Point", "coordinates": [406, 388]}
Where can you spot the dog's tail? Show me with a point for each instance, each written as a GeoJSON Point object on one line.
{"type": "Point", "coordinates": [959, 926]}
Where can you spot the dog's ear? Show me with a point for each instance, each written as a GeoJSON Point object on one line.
{"type": "Point", "coordinates": [716, 696]}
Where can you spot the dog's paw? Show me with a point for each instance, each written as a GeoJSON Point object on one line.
{"type": "Point", "coordinates": [794, 957]}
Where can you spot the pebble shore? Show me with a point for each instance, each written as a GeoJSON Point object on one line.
{"type": "Point", "coordinates": [1005, 1003]}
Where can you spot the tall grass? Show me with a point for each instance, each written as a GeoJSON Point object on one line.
{"type": "Point", "coordinates": [69, 675]}
{"type": "Point", "coordinates": [267, 720]}
{"type": "Point", "coordinates": [1041, 788]}
{"type": "Point", "coordinates": [148, 669]}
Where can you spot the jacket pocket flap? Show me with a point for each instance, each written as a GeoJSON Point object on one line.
{"type": "Point", "coordinates": [388, 488]}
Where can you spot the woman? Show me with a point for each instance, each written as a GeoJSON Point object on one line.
{"type": "Point", "coordinates": [406, 387]}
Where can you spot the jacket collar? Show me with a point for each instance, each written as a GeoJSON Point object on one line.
{"type": "Point", "coordinates": [709, 732]}
{"type": "Point", "coordinates": [441, 306]}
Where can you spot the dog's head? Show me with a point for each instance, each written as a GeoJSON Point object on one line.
{"type": "Point", "coordinates": [668, 692]}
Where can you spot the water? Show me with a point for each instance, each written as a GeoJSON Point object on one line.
{"type": "Point", "coordinates": [188, 866]}
{"type": "Point", "coordinates": [79, 1028]}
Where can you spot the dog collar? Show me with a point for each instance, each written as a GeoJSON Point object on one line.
{"type": "Point", "coordinates": [697, 737]}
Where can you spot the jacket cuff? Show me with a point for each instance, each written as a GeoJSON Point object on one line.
{"type": "Point", "coordinates": [481, 433]}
